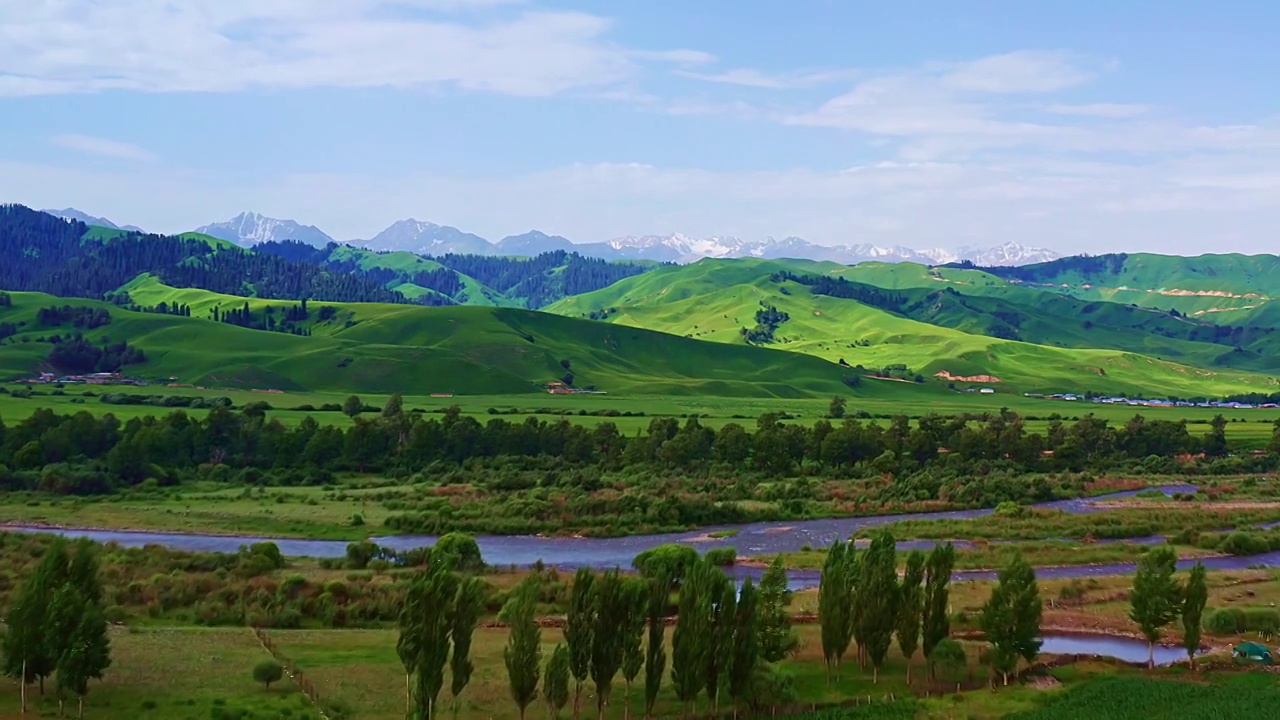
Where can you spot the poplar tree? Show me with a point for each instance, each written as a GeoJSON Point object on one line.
{"type": "Point", "coordinates": [836, 604]}
{"type": "Point", "coordinates": [745, 653]}
{"type": "Point", "coordinates": [426, 622]}
{"type": "Point", "coordinates": [555, 681]}
{"type": "Point", "coordinates": [777, 641]}
{"type": "Point", "coordinates": [724, 602]}
{"type": "Point", "coordinates": [655, 660]}
{"type": "Point", "coordinates": [935, 623]}
{"type": "Point", "coordinates": [466, 616]}
{"type": "Point", "coordinates": [635, 592]}
{"type": "Point", "coordinates": [523, 653]}
{"type": "Point", "coordinates": [610, 615]}
{"type": "Point", "coordinates": [690, 642]}
{"type": "Point", "coordinates": [1193, 601]}
{"type": "Point", "coordinates": [878, 595]}
{"type": "Point", "coordinates": [579, 633]}
{"type": "Point", "coordinates": [87, 653]}
{"type": "Point", "coordinates": [910, 601]}
{"type": "Point", "coordinates": [1154, 599]}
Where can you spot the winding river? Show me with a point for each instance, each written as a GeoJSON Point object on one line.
{"type": "Point", "coordinates": [750, 539]}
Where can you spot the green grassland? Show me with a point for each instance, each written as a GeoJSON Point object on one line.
{"type": "Point", "coordinates": [715, 300]}
{"type": "Point", "coordinates": [417, 350]}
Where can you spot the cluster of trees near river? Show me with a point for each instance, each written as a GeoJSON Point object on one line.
{"type": "Point", "coordinates": [111, 453]}
{"type": "Point", "coordinates": [728, 643]}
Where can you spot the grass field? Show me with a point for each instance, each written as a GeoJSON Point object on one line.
{"type": "Point", "coordinates": [175, 674]}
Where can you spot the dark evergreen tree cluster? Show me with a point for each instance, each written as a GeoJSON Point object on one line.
{"type": "Point", "coordinates": [77, 355]}
{"type": "Point", "coordinates": [768, 320]}
{"type": "Point", "coordinates": [5, 300]}
{"type": "Point", "coordinates": [839, 287]}
{"type": "Point", "coordinates": [79, 316]}
{"type": "Point", "coordinates": [543, 279]}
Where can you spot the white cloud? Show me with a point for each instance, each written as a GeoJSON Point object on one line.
{"type": "Point", "coordinates": [1164, 206]}
{"type": "Point", "coordinates": [751, 77]}
{"type": "Point", "coordinates": [1100, 110]}
{"type": "Point", "coordinates": [102, 147]}
{"type": "Point", "coordinates": [1018, 72]}
{"type": "Point", "coordinates": [228, 45]}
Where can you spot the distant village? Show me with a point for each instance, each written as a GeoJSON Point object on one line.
{"type": "Point", "coordinates": [102, 378]}
{"type": "Point", "coordinates": [1155, 402]}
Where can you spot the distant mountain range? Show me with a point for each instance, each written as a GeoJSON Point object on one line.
{"type": "Point", "coordinates": [87, 219]}
{"type": "Point", "coordinates": [425, 238]}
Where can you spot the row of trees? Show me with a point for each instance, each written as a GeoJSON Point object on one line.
{"type": "Point", "coordinates": [56, 627]}
{"type": "Point", "coordinates": [398, 440]}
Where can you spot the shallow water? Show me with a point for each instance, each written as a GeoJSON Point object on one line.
{"type": "Point", "coordinates": [1126, 649]}
{"type": "Point", "coordinates": [752, 539]}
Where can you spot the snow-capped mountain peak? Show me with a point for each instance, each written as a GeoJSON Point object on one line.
{"type": "Point", "coordinates": [1010, 253]}
{"type": "Point", "coordinates": [425, 238]}
{"type": "Point", "coordinates": [251, 228]}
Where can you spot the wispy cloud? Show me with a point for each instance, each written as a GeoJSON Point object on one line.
{"type": "Point", "coordinates": [751, 77]}
{"type": "Point", "coordinates": [79, 46]}
{"type": "Point", "coordinates": [1101, 110]}
{"type": "Point", "coordinates": [1027, 71]}
{"type": "Point", "coordinates": [103, 147]}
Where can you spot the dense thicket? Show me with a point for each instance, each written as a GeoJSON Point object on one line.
{"type": "Point", "coordinates": [84, 454]}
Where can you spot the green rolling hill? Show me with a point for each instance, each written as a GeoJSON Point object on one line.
{"type": "Point", "coordinates": [931, 331]}
{"type": "Point", "coordinates": [385, 348]}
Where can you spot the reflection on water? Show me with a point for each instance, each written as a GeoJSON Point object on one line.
{"type": "Point", "coordinates": [1125, 649]}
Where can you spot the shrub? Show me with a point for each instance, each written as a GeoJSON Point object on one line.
{"type": "Point", "coordinates": [267, 672]}
{"type": "Point", "coordinates": [721, 557]}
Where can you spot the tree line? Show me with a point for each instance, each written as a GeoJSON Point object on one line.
{"type": "Point", "coordinates": [107, 452]}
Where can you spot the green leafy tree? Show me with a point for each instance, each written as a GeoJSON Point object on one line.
{"type": "Point", "coordinates": [910, 603]}
{"type": "Point", "coordinates": [353, 406]}
{"type": "Point", "coordinates": [523, 653]}
{"type": "Point", "coordinates": [1194, 598]}
{"type": "Point", "coordinates": [426, 624]}
{"type": "Point", "coordinates": [836, 410]}
{"type": "Point", "coordinates": [579, 632]}
{"type": "Point", "coordinates": [655, 659]}
{"type": "Point", "coordinates": [745, 653]}
{"type": "Point", "coordinates": [555, 681]}
{"type": "Point", "coordinates": [724, 601]}
{"type": "Point", "coordinates": [1011, 617]}
{"type": "Point", "coordinates": [466, 616]}
{"type": "Point", "coordinates": [635, 593]}
{"type": "Point", "coordinates": [28, 655]}
{"type": "Point", "coordinates": [691, 640]}
{"type": "Point", "coordinates": [267, 672]}
{"type": "Point", "coordinates": [87, 654]}
{"type": "Point", "coordinates": [82, 571]}
{"type": "Point", "coordinates": [878, 595]}
{"type": "Point", "coordinates": [935, 622]}
{"type": "Point", "coordinates": [1155, 597]}
{"type": "Point", "coordinates": [394, 406]}
{"type": "Point", "coordinates": [610, 615]}
{"type": "Point", "coordinates": [834, 607]}
{"type": "Point", "coordinates": [777, 640]}
{"type": "Point", "coordinates": [949, 661]}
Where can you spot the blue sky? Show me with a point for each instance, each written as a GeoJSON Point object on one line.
{"type": "Point", "coordinates": [1082, 126]}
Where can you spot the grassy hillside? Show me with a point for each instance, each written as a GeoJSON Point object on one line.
{"type": "Point", "coordinates": [1221, 288]}
{"type": "Point", "coordinates": [368, 347]}
{"type": "Point", "coordinates": [715, 300]}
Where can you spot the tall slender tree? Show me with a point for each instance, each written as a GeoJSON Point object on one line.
{"type": "Point", "coordinates": [745, 653]}
{"type": "Point", "coordinates": [1154, 599]}
{"type": "Point", "coordinates": [690, 642]}
{"type": "Point", "coordinates": [724, 601]}
{"type": "Point", "coordinates": [935, 621]}
{"type": "Point", "coordinates": [910, 601]}
{"type": "Point", "coordinates": [655, 659]}
{"type": "Point", "coordinates": [610, 603]}
{"type": "Point", "coordinates": [1194, 598]}
{"type": "Point", "coordinates": [777, 640]}
{"type": "Point", "coordinates": [878, 593]}
{"type": "Point", "coordinates": [426, 622]}
{"type": "Point", "coordinates": [466, 615]}
{"type": "Point", "coordinates": [579, 632]}
{"type": "Point", "coordinates": [833, 607]}
{"type": "Point", "coordinates": [635, 593]}
{"type": "Point", "coordinates": [555, 681]}
{"type": "Point", "coordinates": [523, 653]}
{"type": "Point", "coordinates": [87, 653]}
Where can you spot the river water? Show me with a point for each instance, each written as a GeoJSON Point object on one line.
{"type": "Point", "coordinates": [751, 539]}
